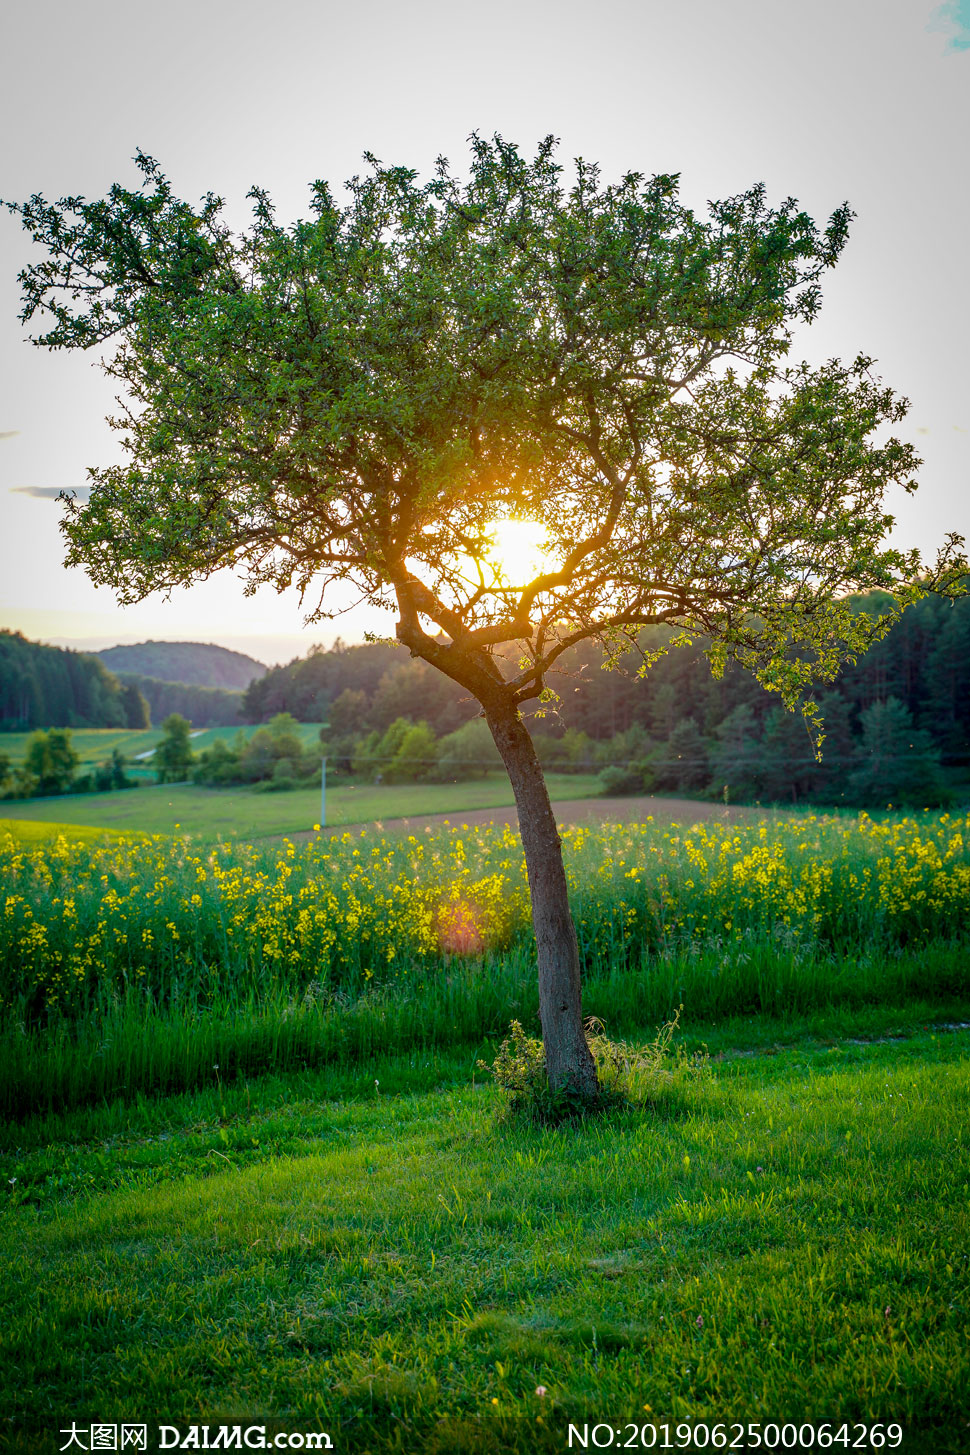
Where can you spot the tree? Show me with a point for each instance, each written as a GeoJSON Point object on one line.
{"type": "Point", "coordinates": [786, 769]}
{"type": "Point", "coordinates": [415, 756]}
{"type": "Point", "coordinates": [220, 763]}
{"type": "Point", "coordinates": [416, 691]}
{"type": "Point", "coordinates": [468, 752]}
{"type": "Point", "coordinates": [682, 762]}
{"type": "Point", "coordinates": [137, 714]}
{"type": "Point", "coordinates": [946, 706]}
{"type": "Point", "coordinates": [348, 714]}
{"type": "Point", "coordinates": [736, 755]}
{"type": "Point", "coordinates": [830, 773]}
{"type": "Point", "coordinates": [898, 762]}
{"type": "Point", "coordinates": [50, 761]}
{"type": "Point", "coordinates": [361, 396]}
{"type": "Point", "coordinates": [173, 756]}
{"type": "Point", "coordinates": [111, 773]}
{"type": "Point", "coordinates": [376, 753]}
{"type": "Point", "coordinates": [278, 742]}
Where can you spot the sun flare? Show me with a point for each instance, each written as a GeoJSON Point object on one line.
{"type": "Point", "coordinates": [519, 550]}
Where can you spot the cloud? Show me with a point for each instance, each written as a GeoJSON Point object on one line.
{"type": "Point", "coordinates": [952, 18]}
{"type": "Point", "coordinates": [52, 492]}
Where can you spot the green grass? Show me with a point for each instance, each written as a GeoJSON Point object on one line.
{"type": "Point", "coordinates": [210, 813]}
{"type": "Point", "coordinates": [92, 745]}
{"type": "Point", "coordinates": [95, 745]}
{"type": "Point", "coordinates": [787, 1240]}
{"type": "Point", "coordinates": [127, 1046]}
{"type": "Point", "coordinates": [252, 1171]}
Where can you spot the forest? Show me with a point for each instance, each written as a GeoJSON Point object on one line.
{"type": "Point", "coordinates": [897, 721]}
{"type": "Point", "coordinates": [42, 687]}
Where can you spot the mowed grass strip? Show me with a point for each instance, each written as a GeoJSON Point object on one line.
{"type": "Point", "coordinates": [785, 1240]}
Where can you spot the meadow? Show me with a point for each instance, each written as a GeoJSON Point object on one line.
{"type": "Point", "coordinates": [376, 1254]}
{"type": "Point", "coordinates": [209, 814]}
{"type": "Point", "coordinates": [95, 745]}
{"type": "Point", "coordinates": [253, 1168]}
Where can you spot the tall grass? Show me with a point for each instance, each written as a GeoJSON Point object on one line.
{"type": "Point", "coordinates": [132, 965]}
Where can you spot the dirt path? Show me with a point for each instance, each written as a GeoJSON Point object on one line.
{"type": "Point", "coordinates": [568, 811]}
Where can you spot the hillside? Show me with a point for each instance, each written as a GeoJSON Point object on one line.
{"type": "Point", "coordinates": [198, 664]}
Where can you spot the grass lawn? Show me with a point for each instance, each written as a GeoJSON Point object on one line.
{"type": "Point", "coordinates": [787, 1240]}
{"type": "Point", "coordinates": [249, 813]}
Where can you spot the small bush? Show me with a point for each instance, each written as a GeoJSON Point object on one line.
{"type": "Point", "coordinates": [519, 1069]}
{"type": "Point", "coordinates": [616, 781]}
{"type": "Point", "coordinates": [627, 1075]}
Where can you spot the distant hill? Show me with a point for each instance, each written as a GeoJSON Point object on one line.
{"type": "Point", "coordinates": [197, 664]}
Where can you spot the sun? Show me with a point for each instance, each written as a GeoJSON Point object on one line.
{"type": "Point", "coordinates": [519, 550]}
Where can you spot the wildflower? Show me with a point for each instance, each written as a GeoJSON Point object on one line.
{"type": "Point", "coordinates": [700, 1321]}
{"type": "Point", "coordinates": [541, 1391]}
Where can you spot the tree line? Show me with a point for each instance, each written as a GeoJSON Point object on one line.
{"type": "Point", "coordinates": [897, 720]}
{"type": "Point", "coordinates": [204, 707]}
{"type": "Point", "coordinates": [43, 687]}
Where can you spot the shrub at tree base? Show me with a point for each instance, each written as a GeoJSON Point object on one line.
{"type": "Point", "coordinates": [626, 1073]}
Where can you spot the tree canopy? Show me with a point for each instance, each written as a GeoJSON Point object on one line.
{"type": "Point", "coordinates": [360, 395]}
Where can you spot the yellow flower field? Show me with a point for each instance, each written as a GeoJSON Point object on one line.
{"type": "Point", "coordinates": [81, 921]}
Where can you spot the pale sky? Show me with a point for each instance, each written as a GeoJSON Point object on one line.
{"type": "Point", "coordinates": [864, 100]}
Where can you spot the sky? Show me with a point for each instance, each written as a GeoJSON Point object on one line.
{"type": "Point", "coordinates": [859, 100]}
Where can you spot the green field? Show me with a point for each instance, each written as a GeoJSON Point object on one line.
{"type": "Point", "coordinates": [92, 745]}
{"type": "Point", "coordinates": [131, 965]}
{"type": "Point", "coordinates": [211, 813]}
{"type": "Point", "coordinates": [377, 1255]}
{"type": "Point", "coordinates": [95, 745]}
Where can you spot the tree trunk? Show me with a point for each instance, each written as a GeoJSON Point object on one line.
{"type": "Point", "coordinates": [569, 1064]}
